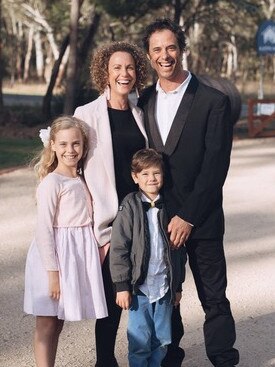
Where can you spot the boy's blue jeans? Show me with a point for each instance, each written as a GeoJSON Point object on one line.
{"type": "Point", "coordinates": [149, 330]}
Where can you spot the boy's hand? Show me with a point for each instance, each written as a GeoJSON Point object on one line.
{"type": "Point", "coordinates": [177, 300]}
{"type": "Point", "coordinates": [54, 286]}
{"type": "Point", "coordinates": [124, 299]}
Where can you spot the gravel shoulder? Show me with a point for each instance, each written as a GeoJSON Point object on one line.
{"type": "Point", "coordinates": [249, 203]}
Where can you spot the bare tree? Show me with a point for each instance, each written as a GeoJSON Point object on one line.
{"type": "Point", "coordinates": [35, 16]}
{"type": "Point", "coordinates": [71, 68]}
{"type": "Point", "coordinates": [46, 109]}
{"type": "Point", "coordinates": [39, 53]}
{"type": "Point", "coordinates": [28, 53]}
{"type": "Point", "coordinates": [268, 7]}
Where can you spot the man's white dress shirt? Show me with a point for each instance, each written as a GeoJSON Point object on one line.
{"type": "Point", "coordinates": [167, 104]}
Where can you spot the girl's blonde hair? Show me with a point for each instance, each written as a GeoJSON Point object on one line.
{"type": "Point", "coordinates": [46, 161]}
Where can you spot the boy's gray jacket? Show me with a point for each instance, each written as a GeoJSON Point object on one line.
{"type": "Point", "coordinates": [130, 248]}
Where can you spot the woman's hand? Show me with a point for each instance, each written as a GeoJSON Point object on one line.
{"type": "Point", "coordinates": [103, 252]}
{"type": "Point", "coordinates": [54, 285]}
{"type": "Point", "coordinates": [177, 299]}
{"type": "Point", "coordinates": [124, 299]}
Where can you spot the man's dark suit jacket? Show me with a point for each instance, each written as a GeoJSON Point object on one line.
{"type": "Point", "coordinates": [196, 156]}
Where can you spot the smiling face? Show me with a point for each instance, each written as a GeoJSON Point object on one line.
{"type": "Point", "coordinates": [165, 56]}
{"type": "Point", "coordinates": [68, 147]}
{"type": "Point", "coordinates": [122, 74]}
{"type": "Point", "coordinates": [149, 180]}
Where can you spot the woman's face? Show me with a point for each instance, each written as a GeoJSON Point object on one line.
{"type": "Point", "coordinates": [122, 73]}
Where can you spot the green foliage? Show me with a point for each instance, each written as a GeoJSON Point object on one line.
{"type": "Point", "coordinates": [213, 29]}
{"type": "Point", "coordinates": [17, 151]}
{"type": "Point", "coordinates": [84, 95]}
{"type": "Point", "coordinates": [251, 7]}
{"type": "Point", "coordinates": [22, 115]}
{"type": "Point", "coordinates": [126, 8]}
{"type": "Point", "coordinates": [58, 14]}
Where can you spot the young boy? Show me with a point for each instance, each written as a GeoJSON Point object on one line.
{"type": "Point", "coordinates": [146, 271]}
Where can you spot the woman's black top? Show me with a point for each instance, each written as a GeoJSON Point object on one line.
{"type": "Point", "coordinates": [126, 139]}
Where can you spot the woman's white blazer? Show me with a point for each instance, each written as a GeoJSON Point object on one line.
{"type": "Point", "coordinates": [99, 166]}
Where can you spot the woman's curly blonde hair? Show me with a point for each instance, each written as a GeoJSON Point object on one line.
{"type": "Point", "coordinates": [100, 63]}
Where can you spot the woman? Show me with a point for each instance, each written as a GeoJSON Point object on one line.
{"type": "Point", "coordinates": [116, 133]}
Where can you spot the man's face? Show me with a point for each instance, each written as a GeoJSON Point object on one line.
{"type": "Point", "coordinates": [165, 55]}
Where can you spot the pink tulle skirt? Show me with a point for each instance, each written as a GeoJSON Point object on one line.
{"type": "Point", "coordinates": [82, 292]}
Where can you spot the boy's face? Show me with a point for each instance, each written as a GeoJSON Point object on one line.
{"type": "Point", "coordinates": [149, 180]}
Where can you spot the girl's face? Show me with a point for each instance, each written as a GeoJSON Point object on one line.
{"type": "Point", "coordinates": [68, 147]}
{"type": "Point", "coordinates": [122, 73]}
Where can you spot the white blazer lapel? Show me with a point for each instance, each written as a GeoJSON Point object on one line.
{"type": "Point", "coordinates": [105, 139]}
{"type": "Point", "coordinates": [138, 116]}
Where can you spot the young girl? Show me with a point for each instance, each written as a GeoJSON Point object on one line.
{"type": "Point", "coordinates": [63, 278]}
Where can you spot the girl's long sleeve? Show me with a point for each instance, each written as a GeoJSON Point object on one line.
{"type": "Point", "coordinates": [47, 201]}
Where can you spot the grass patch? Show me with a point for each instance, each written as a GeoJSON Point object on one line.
{"type": "Point", "coordinates": [17, 151]}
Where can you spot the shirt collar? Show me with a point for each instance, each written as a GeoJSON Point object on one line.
{"type": "Point", "coordinates": [178, 89]}
{"type": "Point", "coordinates": [145, 198]}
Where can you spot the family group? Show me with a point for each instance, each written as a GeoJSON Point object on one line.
{"type": "Point", "coordinates": [127, 193]}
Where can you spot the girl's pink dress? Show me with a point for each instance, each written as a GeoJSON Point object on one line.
{"type": "Point", "coordinates": [64, 241]}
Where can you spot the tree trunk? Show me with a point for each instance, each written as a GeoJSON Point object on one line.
{"type": "Point", "coordinates": [86, 45]}
{"type": "Point", "coordinates": [48, 64]}
{"type": "Point", "coordinates": [1, 63]}
{"type": "Point", "coordinates": [39, 55]}
{"type": "Point", "coordinates": [62, 68]}
{"type": "Point", "coordinates": [19, 51]}
{"type": "Point", "coordinates": [234, 52]}
{"type": "Point", "coordinates": [177, 11]}
{"type": "Point", "coordinates": [83, 53]}
{"type": "Point", "coordinates": [86, 48]}
{"type": "Point", "coordinates": [40, 19]}
{"type": "Point", "coordinates": [71, 69]}
{"type": "Point", "coordinates": [28, 54]}
{"type": "Point", "coordinates": [194, 36]}
{"type": "Point", "coordinates": [48, 96]}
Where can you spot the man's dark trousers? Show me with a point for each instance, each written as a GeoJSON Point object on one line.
{"type": "Point", "coordinates": [207, 262]}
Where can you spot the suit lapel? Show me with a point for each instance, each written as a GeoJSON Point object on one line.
{"type": "Point", "coordinates": [181, 117]}
{"type": "Point", "coordinates": [178, 123]}
{"type": "Point", "coordinates": [153, 127]}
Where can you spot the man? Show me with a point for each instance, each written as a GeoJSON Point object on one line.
{"type": "Point", "coordinates": [190, 124]}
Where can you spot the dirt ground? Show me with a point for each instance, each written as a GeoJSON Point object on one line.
{"type": "Point", "coordinates": [249, 203]}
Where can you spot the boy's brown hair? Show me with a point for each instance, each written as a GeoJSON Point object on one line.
{"type": "Point", "coordinates": [146, 158]}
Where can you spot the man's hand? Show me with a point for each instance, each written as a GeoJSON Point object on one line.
{"type": "Point", "coordinates": [179, 231]}
{"type": "Point", "coordinates": [54, 286]}
{"type": "Point", "coordinates": [124, 299]}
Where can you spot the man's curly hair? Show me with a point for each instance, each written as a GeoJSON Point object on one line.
{"type": "Point", "coordinates": [100, 63]}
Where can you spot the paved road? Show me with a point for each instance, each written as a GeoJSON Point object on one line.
{"type": "Point", "coordinates": [22, 100]}
{"type": "Point", "coordinates": [250, 250]}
